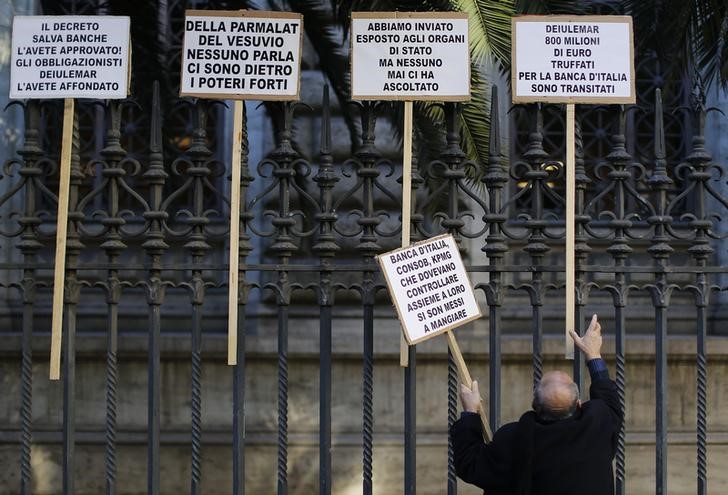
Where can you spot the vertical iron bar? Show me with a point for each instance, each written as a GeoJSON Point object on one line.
{"type": "Point", "coordinates": [69, 393]}
{"type": "Point", "coordinates": [368, 247]}
{"type": "Point", "coordinates": [410, 423]}
{"type": "Point", "coordinates": [29, 246]}
{"type": "Point", "coordinates": [283, 155]}
{"type": "Point", "coordinates": [368, 396]}
{"type": "Point", "coordinates": [111, 382]}
{"type": "Point", "coordinates": [410, 372]}
{"type": "Point", "coordinates": [620, 250]}
{"type": "Point", "coordinates": [702, 422]}
{"type": "Point", "coordinates": [239, 408]}
{"type": "Point", "coordinates": [494, 336]}
{"type": "Point", "coordinates": [196, 404]}
{"type": "Point", "coordinates": [244, 249]}
{"type": "Point", "coordinates": [454, 157]}
{"type": "Point", "coordinates": [282, 398]}
{"type": "Point", "coordinates": [661, 399]}
{"type": "Point", "coordinates": [153, 399]}
{"type": "Point", "coordinates": [581, 246]}
{"type": "Point", "coordinates": [325, 401]}
{"type": "Point", "coordinates": [155, 247]}
{"type": "Point", "coordinates": [536, 157]}
{"type": "Point", "coordinates": [536, 247]}
{"type": "Point", "coordinates": [619, 350]}
{"type": "Point", "coordinates": [326, 248]}
{"type": "Point", "coordinates": [113, 245]}
{"type": "Point", "coordinates": [452, 412]}
{"type": "Point", "coordinates": [26, 411]}
{"type": "Point", "coordinates": [660, 251]}
{"type": "Point", "coordinates": [71, 299]}
{"type": "Point", "coordinates": [495, 248]}
{"type": "Point", "coordinates": [701, 251]}
{"type": "Point", "coordinates": [197, 245]}
{"type": "Point", "coordinates": [537, 330]}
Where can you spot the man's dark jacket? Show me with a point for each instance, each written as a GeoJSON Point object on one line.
{"type": "Point", "coordinates": [532, 457]}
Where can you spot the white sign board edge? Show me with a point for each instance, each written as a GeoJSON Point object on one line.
{"type": "Point", "coordinates": [233, 93]}
{"type": "Point", "coordinates": [368, 76]}
{"type": "Point", "coordinates": [445, 247]}
{"type": "Point", "coordinates": [43, 57]}
{"type": "Point", "coordinates": [530, 54]}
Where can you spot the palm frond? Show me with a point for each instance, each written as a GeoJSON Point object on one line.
{"type": "Point", "coordinates": [428, 117]}
{"type": "Point", "coordinates": [344, 8]}
{"type": "Point", "coordinates": [686, 36]}
{"type": "Point", "coordinates": [323, 33]}
{"type": "Point", "coordinates": [490, 33]}
{"type": "Point", "coordinates": [548, 7]}
{"type": "Point", "coordinates": [474, 120]}
{"type": "Point", "coordinates": [490, 29]}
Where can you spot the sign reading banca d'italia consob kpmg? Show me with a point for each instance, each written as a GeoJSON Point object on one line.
{"type": "Point", "coordinates": [410, 56]}
{"type": "Point", "coordinates": [430, 287]}
{"type": "Point", "coordinates": [572, 59]}
{"type": "Point", "coordinates": [69, 57]}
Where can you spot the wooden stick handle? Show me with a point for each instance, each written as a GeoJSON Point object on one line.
{"type": "Point", "coordinates": [570, 229]}
{"type": "Point", "coordinates": [467, 380]}
{"type": "Point", "coordinates": [59, 274]}
{"type": "Point", "coordinates": [406, 206]}
{"type": "Point", "coordinates": [234, 233]}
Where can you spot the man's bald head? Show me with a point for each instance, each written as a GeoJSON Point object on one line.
{"type": "Point", "coordinates": [556, 396]}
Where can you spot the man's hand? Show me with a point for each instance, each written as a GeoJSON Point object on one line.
{"type": "Point", "coordinates": [470, 397]}
{"type": "Point", "coordinates": [591, 343]}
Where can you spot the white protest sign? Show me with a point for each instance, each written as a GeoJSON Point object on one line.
{"type": "Point", "coordinates": [572, 59]}
{"type": "Point", "coordinates": [242, 54]}
{"type": "Point", "coordinates": [410, 56]}
{"type": "Point", "coordinates": [430, 287]}
{"type": "Point", "coordinates": [69, 57]}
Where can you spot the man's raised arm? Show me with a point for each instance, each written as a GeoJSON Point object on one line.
{"type": "Point", "coordinates": [602, 386]}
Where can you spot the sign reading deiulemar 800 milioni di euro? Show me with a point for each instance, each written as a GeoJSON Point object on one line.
{"type": "Point", "coordinates": [430, 287]}
{"type": "Point", "coordinates": [242, 55]}
{"type": "Point", "coordinates": [573, 59]}
{"type": "Point", "coordinates": [410, 56]}
{"type": "Point", "coordinates": [70, 57]}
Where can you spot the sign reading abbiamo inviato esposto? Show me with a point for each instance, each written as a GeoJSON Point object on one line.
{"type": "Point", "coordinates": [430, 287]}
{"type": "Point", "coordinates": [410, 56]}
{"type": "Point", "coordinates": [572, 59]}
{"type": "Point", "coordinates": [241, 54]}
{"type": "Point", "coordinates": [70, 57]}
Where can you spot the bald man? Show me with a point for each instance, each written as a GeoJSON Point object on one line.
{"type": "Point", "coordinates": [561, 447]}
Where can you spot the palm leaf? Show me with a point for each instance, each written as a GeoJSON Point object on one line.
{"type": "Point", "coordinates": [490, 29]}
{"type": "Point", "coordinates": [490, 22]}
{"type": "Point", "coordinates": [687, 36]}
{"type": "Point", "coordinates": [549, 7]}
{"type": "Point", "coordinates": [475, 121]}
{"type": "Point", "coordinates": [325, 37]}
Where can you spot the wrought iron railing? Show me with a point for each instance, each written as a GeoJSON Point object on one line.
{"type": "Point", "coordinates": [316, 226]}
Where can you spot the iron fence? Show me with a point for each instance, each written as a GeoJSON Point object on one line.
{"type": "Point", "coordinates": [155, 224]}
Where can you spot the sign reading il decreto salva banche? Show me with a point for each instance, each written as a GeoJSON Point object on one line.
{"type": "Point", "coordinates": [410, 56]}
{"type": "Point", "coordinates": [70, 57]}
{"type": "Point", "coordinates": [430, 287]}
{"type": "Point", "coordinates": [242, 54]}
{"type": "Point", "coordinates": [573, 59]}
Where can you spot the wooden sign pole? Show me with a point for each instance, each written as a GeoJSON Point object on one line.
{"type": "Point", "coordinates": [406, 207]}
{"type": "Point", "coordinates": [61, 231]}
{"type": "Point", "coordinates": [467, 380]}
{"type": "Point", "coordinates": [234, 233]}
{"type": "Point", "coordinates": [570, 228]}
